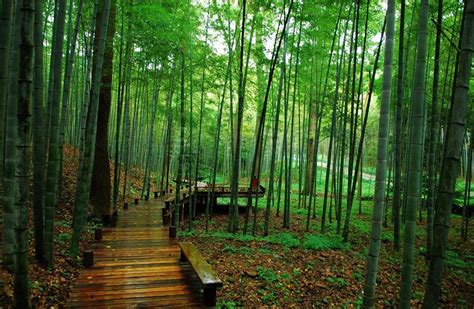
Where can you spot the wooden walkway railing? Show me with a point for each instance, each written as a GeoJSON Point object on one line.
{"type": "Point", "coordinates": [137, 266]}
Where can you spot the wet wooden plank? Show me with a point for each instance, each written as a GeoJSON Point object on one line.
{"type": "Point", "coordinates": [174, 301]}
{"type": "Point", "coordinates": [137, 266]}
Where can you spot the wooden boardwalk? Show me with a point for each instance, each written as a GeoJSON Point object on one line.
{"type": "Point", "coordinates": [137, 266]}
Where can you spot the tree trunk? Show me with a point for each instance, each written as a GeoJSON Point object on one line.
{"type": "Point", "coordinates": [398, 134]}
{"type": "Point", "coordinates": [451, 159]}
{"type": "Point", "coordinates": [25, 98]}
{"type": "Point", "coordinates": [201, 114]}
{"type": "Point", "coordinates": [123, 84]}
{"type": "Point", "coordinates": [414, 157]}
{"type": "Point", "coordinates": [467, 188]}
{"type": "Point", "coordinates": [10, 212]}
{"type": "Point", "coordinates": [6, 12]}
{"type": "Point", "coordinates": [101, 190]}
{"type": "Point", "coordinates": [85, 168]}
{"type": "Point", "coordinates": [52, 173]}
{"type": "Point", "coordinates": [433, 139]}
{"type": "Point", "coordinates": [179, 174]}
{"type": "Point", "coordinates": [233, 223]}
{"type": "Point", "coordinates": [333, 120]}
{"type": "Point", "coordinates": [210, 199]}
{"type": "Point", "coordinates": [70, 55]}
{"type": "Point", "coordinates": [274, 148]}
{"type": "Point", "coordinates": [39, 156]}
{"type": "Point", "coordinates": [190, 149]}
{"type": "Point", "coordinates": [155, 102]}
{"type": "Point", "coordinates": [382, 158]}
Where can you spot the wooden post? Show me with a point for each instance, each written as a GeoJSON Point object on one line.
{"type": "Point", "coordinates": [136, 201]}
{"type": "Point", "coordinates": [209, 296]}
{"type": "Point", "coordinates": [98, 234]}
{"type": "Point", "coordinates": [166, 216]}
{"type": "Point", "coordinates": [172, 231]}
{"type": "Point", "coordinates": [88, 258]}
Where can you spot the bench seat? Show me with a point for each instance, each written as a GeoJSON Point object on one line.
{"type": "Point", "coordinates": [203, 270]}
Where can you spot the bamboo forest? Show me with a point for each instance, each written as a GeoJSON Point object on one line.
{"type": "Point", "coordinates": [234, 153]}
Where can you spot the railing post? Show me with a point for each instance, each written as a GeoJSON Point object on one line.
{"type": "Point", "coordinates": [166, 216]}
{"type": "Point", "coordinates": [98, 234]}
{"type": "Point", "coordinates": [88, 258]}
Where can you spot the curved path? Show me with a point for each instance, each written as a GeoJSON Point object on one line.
{"type": "Point", "coordinates": [137, 266]}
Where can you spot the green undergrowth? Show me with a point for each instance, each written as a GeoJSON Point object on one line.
{"type": "Point", "coordinates": [463, 267]}
{"type": "Point", "coordinates": [286, 240]}
{"type": "Point", "coordinates": [224, 304]}
{"type": "Point", "coordinates": [320, 242]}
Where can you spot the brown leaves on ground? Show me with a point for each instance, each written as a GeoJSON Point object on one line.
{"type": "Point", "coordinates": [258, 273]}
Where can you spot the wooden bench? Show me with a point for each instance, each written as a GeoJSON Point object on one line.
{"type": "Point", "coordinates": [203, 270]}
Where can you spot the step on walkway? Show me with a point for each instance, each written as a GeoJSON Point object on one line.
{"type": "Point", "coordinates": [136, 265]}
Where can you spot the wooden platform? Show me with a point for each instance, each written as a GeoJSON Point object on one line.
{"type": "Point", "coordinates": [137, 266]}
{"type": "Point", "coordinates": [221, 191]}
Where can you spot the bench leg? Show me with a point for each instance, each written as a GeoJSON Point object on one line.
{"type": "Point", "coordinates": [182, 257]}
{"type": "Point", "coordinates": [209, 297]}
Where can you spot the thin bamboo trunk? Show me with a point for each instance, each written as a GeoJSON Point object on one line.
{"type": "Point", "coordinates": [10, 212]}
{"type": "Point", "coordinates": [39, 156]}
{"type": "Point", "coordinates": [382, 158]}
{"type": "Point", "coordinates": [25, 100]}
{"type": "Point", "coordinates": [451, 158]}
{"type": "Point", "coordinates": [433, 143]}
{"type": "Point", "coordinates": [398, 134]}
{"type": "Point", "coordinates": [52, 172]}
{"type": "Point", "coordinates": [414, 157]}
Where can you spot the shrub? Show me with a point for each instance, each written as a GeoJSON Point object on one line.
{"type": "Point", "coordinates": [266, 274]}
{"type": "Point", "coordinates": [186, 233]}
{"type": "Point", "coordinates": [284, 239]}
{"type": "Point", "coordinates": [318, 242]}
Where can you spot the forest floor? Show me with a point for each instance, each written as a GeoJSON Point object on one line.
{"type": "Point", "coordinates": [295, 268]}
{"type": "Point", "coordinates": [50, 287]}
{"type": "Point", "coordinates": [289, 268]}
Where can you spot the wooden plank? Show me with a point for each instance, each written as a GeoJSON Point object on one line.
{"type": "Point", "coordinates": [142, 301]}
{"type": "Point", "coordinates": [120, 276]}
{"type": "Point", "coordinates": [133, 262]}
{"type": "Point", "coordinates": [137, 266]}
